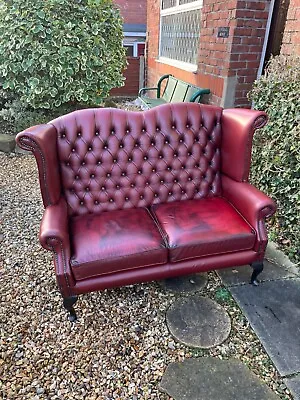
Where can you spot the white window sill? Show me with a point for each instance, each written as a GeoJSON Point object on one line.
{"type": "Point", "coordinates": [178, 64]}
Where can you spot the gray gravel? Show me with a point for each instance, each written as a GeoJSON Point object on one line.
{"type": "Point", "coordinates": [120, 346]}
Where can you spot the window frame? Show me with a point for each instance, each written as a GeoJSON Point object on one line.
{"type": "Point", "coordinates": [177, 9]}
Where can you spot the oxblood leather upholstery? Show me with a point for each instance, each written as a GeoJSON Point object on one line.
{"type": "Point", "coordinates": [115, 241]}
{"type": "Point", "coordinates": [138, 196]}
{"type": "Point", "coordinates": [199, 228]}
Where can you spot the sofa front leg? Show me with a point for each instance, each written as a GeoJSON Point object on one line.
{"type": "Point", "coordinates": [68, 304]}
{"type": "Point", "coordinates": [258, 267]}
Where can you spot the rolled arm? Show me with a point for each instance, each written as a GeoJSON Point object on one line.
{"type": "Point", "coordinates": [54, 236]}
{"type": "Point", "coordinates": [238, 127]}
{"type": "Point", "coordinates": [41, 140]}
{"type": "Point", "coordinates": [253, 205]}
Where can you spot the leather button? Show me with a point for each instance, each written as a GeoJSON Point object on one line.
{"type": "Point", "coordinates": [197, 165]}
{"type": "Point", "coordinates": [147, 183]}
{"type": "Point", "coordinates": [152, 143]}
{"type": "Point", "coordinates": [63, 135]}
{"type": "Point", "coordinates": [173, 126]}
{"type": "Point", "coordinates": [123, 173]}
{"type": "Point", "coordinates": [103, 188]}
{"type": "Point", "coordinates": [73, 150]}
{"type": "Point", "coordinates": [187, 125]}
{"type": "Point", "coordinates": [111, 200]}
{"type": "Point", "coordinates": [112, 132]}
{"type": "Point", "coordinates": [169, 168]}
{"type": "Point", "coordinates": [90, 148]}
{"type": "Point", "coordinates": [129, 159]}
{"type": "Point", "coordinates": [87, 189]}
{"type": "Point", "coordinates": [167, 141]}
{"type": "Point", "coordinates": [121, 146]}
{"type": "Point", "coordinates": [96, 202]}
{"type": "Point", "coordinates": [92, 176]}
{"type": "Point", "coordinates": [115, 160]}
{"type": "Point", "coordinates": [160, 156]}
{"type": "Point", "coordinates": [153, 169]}
{"type": "Point", "coordinates": [96, 134]}
{"type": "Point", "coordinates": [143, 130]}
{"type": "Point", "coordinates": [162, 181]}
{"type": "Point", "coordinates": [108, 175]}
{"type": "Point", "coordinates": [79, 134]}
{"type": "Point", "coordinates": [183, 192]}
{"type": "Point", "coordinates": [175, 155]}
{"type": "Point", "coordinates": [67, 164]}
{"type": "Point", "coordinates": [76, 177]}
{"type": "Point", "coordinates": [170, 193]}
{"type": "Point", "coordinates": [105, 147]}
{"type": "Point", "coordinates": [136, 145]}
{"type": "Point", "coordinates": [81, 203]}
{"type": "Point", "coordinates": [180, 140]}
{"type": "Point", "coordinates": [157, 129]}
{"type": "Point", "coordinates": [175, 181]}
{"type": "Point", "coordinates": [189, 153]}
{"type": "Point", "coordinates": [83, 163]}
{"type": "Point", "coordinates": [145, 158]}
{"type": "Point", "coordinates": [126, 198]}
{"type": "Point", "coordinates": [139, 172]}
{"type": "Point", "coordinates": [155, 195]}
{"type": "Point", "coordinates": [118, 187]}
{"type": "Point", "coordinates": [99, 162]}
{"type": "Point", "coordinates": [189, 178]}
{"type": "Point", "coordinates": [127, 131]}
{"type": "Point", "coordinates": [141, 197]}
{"type": "Point", "coordinates": [183, 167]}
{"type": "Point", "coordinates": [132, 185]}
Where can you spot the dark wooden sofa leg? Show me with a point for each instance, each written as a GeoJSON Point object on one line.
{"type": "Point", "coordinates": [68, 304]}
{"type": "Point", "coordinates": [258, 267]}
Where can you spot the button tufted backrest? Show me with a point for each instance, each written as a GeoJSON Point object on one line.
{"type": "Point", "coordinates": [113, 159]}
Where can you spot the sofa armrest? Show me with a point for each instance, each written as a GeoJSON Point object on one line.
{"type": "Point", "coordinates": [54, 236]}
{"type": "Point", "coordinates": [238, 127]}
{"type": "Point", "coordinates": [41, 140]}
{"type": "Point", "coordinates": [252, 204]}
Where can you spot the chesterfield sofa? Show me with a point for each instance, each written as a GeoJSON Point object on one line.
{"type": "Point", "coordinates": [139, 196]}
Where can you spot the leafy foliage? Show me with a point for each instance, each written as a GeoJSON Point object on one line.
{"type": "Point", "coordinates": [55, 52]}
{"type": "Point", "coordinates": [276, 149]}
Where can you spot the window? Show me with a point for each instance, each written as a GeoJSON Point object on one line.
{"type": "Point", "coordinates": [180, 31]}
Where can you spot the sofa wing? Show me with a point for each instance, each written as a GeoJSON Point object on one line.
{"type": "Point", "coordinates": [238, 127]}
{"type": "Point", "coordinates": [41, 140]}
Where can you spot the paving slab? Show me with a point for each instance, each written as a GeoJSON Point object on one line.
{"type": "Point", "coordinates": [198, 322]}
{"type": "Point", "coordinates": [241, 275]}
{"type": "Point", "coordinates": [185, 284]}
{"type": "Point", "coordinates": [273, 310]}
{"type": "Point", "coordinates": [213, 379]}
{"type": "Point", "coordinates": [294, 385]}
{"type": "Point", "coordinates": [7, 143]}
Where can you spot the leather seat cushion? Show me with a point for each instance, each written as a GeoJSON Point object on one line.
{"type": "Point", "coordinates": [115, 241]}
{"type": "Point", "coordinates": [203, 227]}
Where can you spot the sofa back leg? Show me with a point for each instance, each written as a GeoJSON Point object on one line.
{"type": "Point", "coordinates": [258, 267]}
{"type": "Point", "coordinates": [68, 304]}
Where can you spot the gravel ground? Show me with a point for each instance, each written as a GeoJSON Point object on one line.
{"type": "Point", "coordinates": [119, 347]}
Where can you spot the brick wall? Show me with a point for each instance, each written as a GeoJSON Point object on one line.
{"type": "Point", "coordinates": [131, 74]}
{"type": "Point", "coordinates": [228, 66]}
{"type": "Point", "coordinates": [291, 37]}
{"type": "Point", "coordinates": [133, 11]}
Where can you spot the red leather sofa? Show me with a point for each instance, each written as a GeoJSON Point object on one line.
{"type": "Point", "coordinates": [139, 196]}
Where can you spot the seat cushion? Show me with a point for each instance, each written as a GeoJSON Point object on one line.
{"type": "Point", "coordinates": [199, 228]}
{"type": "Point", "coordinates": [113, 241]}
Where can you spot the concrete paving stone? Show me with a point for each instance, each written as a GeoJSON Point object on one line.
{"type": "Point", "coordinates": [241, 275]}
{"type": "Point", "coordinates": [7, 143]}
{"type": "Point", "coordinates": [198, 322]}
{"type": "Point", "coordinates": [185, 284]}
{"type": "Point", "coordinates": [294, 385]}
{"type": "Point", "coordinates": [213, 379]}
{"type": "Point", "coordinates": [273, 310]}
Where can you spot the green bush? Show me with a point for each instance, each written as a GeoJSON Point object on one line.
{"type": "Point", "coordinates": [276, 148]}
{"type": "Point", "coordinates": [55, 52]}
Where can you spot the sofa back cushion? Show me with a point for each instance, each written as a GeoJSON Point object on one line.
{"type": "Point", "coordinates": [113, 159]}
